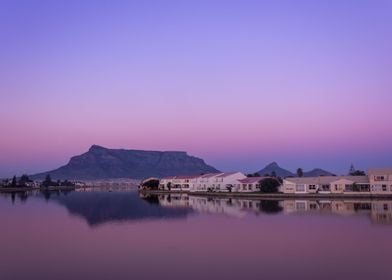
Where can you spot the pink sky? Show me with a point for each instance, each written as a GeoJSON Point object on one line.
{"type": "Point", "coordinates": [240, 84]}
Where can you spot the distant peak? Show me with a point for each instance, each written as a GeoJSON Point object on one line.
{"type": "Point", "coordinates": [273, 164]}
{"type": "Point", "coordinates": [96, 147]}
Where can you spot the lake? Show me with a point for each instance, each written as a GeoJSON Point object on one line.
{"type": "Point", "coordinates": [124, 235]}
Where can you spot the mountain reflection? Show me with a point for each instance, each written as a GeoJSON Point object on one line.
{"type": "Point", "coordinates": [101, 207]}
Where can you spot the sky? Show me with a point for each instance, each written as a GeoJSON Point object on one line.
{"type": "Point", "coordinates": [237, 83]}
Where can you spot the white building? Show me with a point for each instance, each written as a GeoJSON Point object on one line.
{"type": "Point", "coordinates": [250, 184]}
{"type": "Point", "coordinates": [217, 182]}
{"type": "Point", "coordinates": [380, 180]}
{"type": "Point", "coordinates": [326, 184]}
{"type": "Point", "coordinates": [178, 183]}
{"type": "Point", "coordinates": [204, 182]}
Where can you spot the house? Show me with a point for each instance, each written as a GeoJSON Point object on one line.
{"type": "Point", "coordinates": [226, 182]}
{"type": "Point", "coordinates": [215, 182]}
{"type": "Point", "coordinates": [250, 184]}
{"type": "Point", "coordinates": [204, 182]}
{"type": "Point", "coordinates": [326, 184]}
{"type": "Point", "coordinates": [184, 182]}
{"type": "Point", "coordinates": [380, 180]}
{"type": "Point", "coordinates": [166, 182]}
{"type": "Point", "coordinates": [301, 185]}
{"type": "Point", "coordinates": [177, 183]}
{"type": "Point", "coordinates": [350, 184]}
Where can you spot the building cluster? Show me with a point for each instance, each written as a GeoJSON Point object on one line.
{"type": "Point", "coordinates": [378, 181]}
{"type": "Point", "coordinates": [212, 182]}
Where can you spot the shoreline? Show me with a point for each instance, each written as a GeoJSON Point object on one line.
{"type": "Point", "coordinates": [26, 189]}
{"type": "Point", "coordinates": [256, 195]}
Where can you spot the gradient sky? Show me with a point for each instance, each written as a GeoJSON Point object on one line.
{"type": "Point", "coordinates": [238, 83]}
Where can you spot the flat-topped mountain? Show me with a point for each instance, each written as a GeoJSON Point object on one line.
{"type": "Point", "coordinates": [103, 163]}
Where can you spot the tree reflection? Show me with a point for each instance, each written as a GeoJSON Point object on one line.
{"type": "Point", "coordinates": [270, 206]}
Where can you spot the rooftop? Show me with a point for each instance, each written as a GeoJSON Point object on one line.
{"type": "Point", "coordinates": [252, 180]}
{"type": "Point", "coordinates": [226, 174]}
{"type": "Point", "coordinates": [380, 171]}
{"type": "Point", "coordinates": [324, 180]}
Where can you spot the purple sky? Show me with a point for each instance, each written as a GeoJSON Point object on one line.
{"type": "Point", "coordinates": [238, 83]}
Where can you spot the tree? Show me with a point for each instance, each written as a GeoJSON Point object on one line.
{"type": "Point", "coordinates": [269, 185]}
{"type": "Point", "coordinates": [256, 174]}
{"type": "Point", "coordinates": [48, 181]}
{"type": "Point", "coordinates": [300, 172]}
{"type": "Point", "coordinates": [14, 184]}
{"type": "Point", "coordinates": [351, 170]}
{"type": "Point", "coordinates": [150, 184]}
{"type": "Point", "coordinates": [358, 173]}
{"type": "Point", "coordinates": [169, 186]}
{"type": "Point", "coordinates": [24, 179]}
{"type": "Point", "coordinates": [270, 206]}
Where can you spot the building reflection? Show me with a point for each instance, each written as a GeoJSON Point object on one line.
{"type": "Point", "coordinates": [379, 211]}
{"type": "Point", "coordinates": [101, 207]}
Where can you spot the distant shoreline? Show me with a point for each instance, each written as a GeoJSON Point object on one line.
{"type": "Point", "coordinates": [26, 189]}
{"type": "Point", "coordinates": [273, 195]}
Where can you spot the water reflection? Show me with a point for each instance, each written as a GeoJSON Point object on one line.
{"type": "Point", "coordinates": [97, 207]}
{"type": "Point", "coordinates": [181, 236]}
{"type": "Point", "coordinates": [379, 211]}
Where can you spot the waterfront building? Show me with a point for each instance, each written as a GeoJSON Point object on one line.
{"type": "Point", "coordinates": [326, 184]}
{"type": "Point", "coordinates": [166, 183]}
{"type": "Point", "coordinates": [249, 184]}
{"type": "Point", "coordinates": [217, 182]}
{"type": "Point", "coordinates": [380, 180]}
{"type": "Point", "coordinates": [204, 182]}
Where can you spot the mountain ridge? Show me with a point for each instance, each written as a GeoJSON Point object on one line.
{"type": "Point", "coordinates": [281, 172]}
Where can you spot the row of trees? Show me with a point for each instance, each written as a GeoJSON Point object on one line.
{"type": "Point", "coordinates": [22, 182]}
{"type": "Point", "coordinates": [48, 182]}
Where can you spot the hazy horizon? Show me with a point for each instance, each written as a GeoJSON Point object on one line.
{"type": "Point", "coordinates": [238, 83]}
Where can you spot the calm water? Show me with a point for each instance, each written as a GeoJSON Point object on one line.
{"type": "Point", "coordinates": [102, 235]}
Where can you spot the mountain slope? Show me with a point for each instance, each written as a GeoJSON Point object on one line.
{"type": "Point", "coordinates": [317, 172]}
{"type": "Point", "coordinates": [274, 167]}
{"type": "Point", "coordinates": [103, 163]}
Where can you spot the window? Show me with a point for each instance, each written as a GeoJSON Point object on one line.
{"type": "Point", "coordinates": [384, 188]}
{"type": "Point", "coordinates": [325, 187]}
{"type": "Point", "coordinates": [379, 178]}
{"type": "Point", "coordinates": [250, 187]}
{"type": "Point", "coordinates": [312, 187]}
{"type": "Point", "coordinates": [300, 188]}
